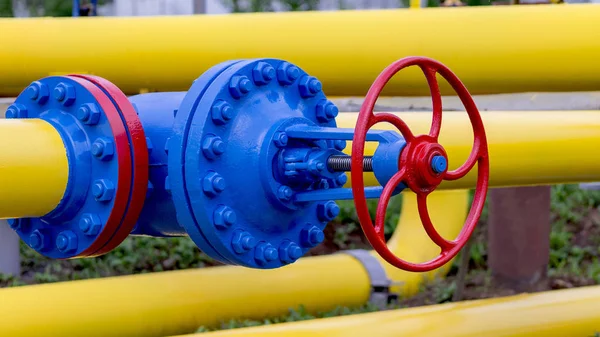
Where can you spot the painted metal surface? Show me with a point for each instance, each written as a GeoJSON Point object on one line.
{"type": "Point", "coordinates": [168, 303]}
{"type": "Point", "coordinates": [101, 166]}
{"type": "Point", "coordinates": [509, 48]}
{"type": "Point", "coordinates": [34, 167]}
{"type": "Point", "coordinates": [571, 312]}
{"type": "Point", "coordinates": [416, 168]}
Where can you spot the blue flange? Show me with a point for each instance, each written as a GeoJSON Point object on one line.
{"type": "Point", "coordinates": [80, 217]}
{"type": "Point", "coordinates": [221, 161]}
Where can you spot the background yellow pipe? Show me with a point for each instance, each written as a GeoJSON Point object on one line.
{"type": "Point", "coordinates": [167, 303]}
{"type": "Point", "coordinates": [33, 169]}
{"type": "Point", "coordinates": [500, 49]}
{"type": "Point", "coordinates": [559, 313]}
{"type": "Point", "coordinates": [525, 147]}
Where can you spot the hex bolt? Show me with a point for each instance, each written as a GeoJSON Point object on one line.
{"type": "Point", "coordinates": [289, 252]}
{"type": "Point", "coordinates": [263, 73]}
{"type": "Point", "coordinates": [37, 240]}
{"type": "Point", "coordinates": [311, 236]}
{"type": "Point", "coordinates": [213, 146]}
{"type": "Point", "coordinates": [213, 184]}
{"type": "Point", "coordinates": [224, 217]}
{"type": "Point", "coordinates": [38, 91]}
{"type": "Point", "coordinates": [287, 73]}
{"type": "Point", "coordinates": [103, 190]}
{"type": "Point", "coordinates": [88, 114]}
{"type": "Point", "coordinates": [309, 86]}
{"type": "Point", "coordinates": [222, 112]}
{"type": "Point", "coordinates": [326, 111]}
{"type": "Point", "coordinates": [64, 93]}
{"type": "Point", "coordinates": [285, 193]}
{"type": "Point", "coordinates": [242, 242]}
{"type": "Point", "coordinates": [239, 86]}
{"type": "Point", "coordinates": [90, 224]}
{"type": "Point", "coordinates": [103, 149]}
{"type": "Point", "coordinates": [265, 253]}
{"type": "Point", "coordinates": [339, 144]}
{"type": "Point", "coordinates": [327, 211]}
{"type": "Point", "coordinates": [16, 111]}
{"type": "Point", "coordinates": [66, 241]}
{"type": "Point", "coordinates": [280, 139]}
{"type": "Point", "coordinates": [341, 180]}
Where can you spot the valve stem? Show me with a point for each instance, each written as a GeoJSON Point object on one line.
{"type": "Point", "coordinates": [338, 163]}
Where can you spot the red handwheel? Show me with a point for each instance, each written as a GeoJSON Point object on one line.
{"type": "Point", "coordinates": [422, 165]}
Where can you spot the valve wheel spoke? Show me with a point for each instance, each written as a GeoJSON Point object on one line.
{"type": "Point", "coordinates": [416, 164]}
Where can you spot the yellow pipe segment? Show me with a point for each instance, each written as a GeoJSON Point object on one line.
{"type": "Point", "coordinates": [559, 313]}
{"type": "Point", "coordinates": [168, 303]}
{"type": "Point", "coordinates": [525, 147]}
{"type": "Point", "coordinates": [503, 48]}
{"type": "Point", "coordinates": [34, 169]}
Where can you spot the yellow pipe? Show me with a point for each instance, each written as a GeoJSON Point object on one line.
{"type": "Point", "coordinates": [179, 302]}
{"type": "Point", "coordinates": [525, 147]}
{"type": "Point", "coordinates": [34, 169]}
{"type": "Point", "coordinates": [503, 49]}
{"type": "Point", "coordinates": [559, 313]}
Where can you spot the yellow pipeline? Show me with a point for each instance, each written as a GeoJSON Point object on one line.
{"type": "Point", "coordinates": [34, 168]}
{"type": "Point", "coordinates": [526, 147]}
{"type": "Point", "coordinates": [178, 302]}
{"type": "Point", "coordinates": [558, 313]}
{"type": "Point", "coordinates": [501, 49]}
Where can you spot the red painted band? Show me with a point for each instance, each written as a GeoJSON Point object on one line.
{"type": "Point", "coordinates": [123, 156]}
{"type": "Point", "coordinates": [140, 159]}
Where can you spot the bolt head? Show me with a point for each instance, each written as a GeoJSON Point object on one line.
{"type": "Point", "coordinates": [285, 193]}
{"type": "Point", "coordinates": [90, 224]}
{"type": "Point", "coordinates": [309, 86]}
{"type": "Point", "coordinates": [263, 73]}
{"type": "Point", "coordinates": [64, 93]}
{"type": "Point", "coordinates": [103, 190]}
{"type": "Point", "coordinates": [326, 111]}
{"type": "Point", "coordinates": [224, 217]}
{"type": "Point", "coordinates": [213, 184]}
{"type": "Point", "coordinates": [66, 241]}
{"type": "Point", "coordinates": [222, 112]}
{"type": "Point", "coordinates": [88, 114]}
{"type": "Point", "coordinates": [239, 86]}
{"type": "Point", "coordinates": [327, 211]}
{"type": "Point", "coordinates": [289, 252]}
{"type": "Point", "coordinates": [323, 184]}
{"type": "Point", "coordinates": [14, 223]}
{"type": "Point", "coordinates": [38, 91]}
{"type": "Point", "coordinates": [265, 253]}
{"type": "Point", "coordinates": [280, 139]}
{"type": "Point", "coordinates": [103, 149]}
{"type": "Point", "coordinates": [287, 73]}
{"type": "Point", "coordinates": [341, 180]}
{"type": "Point", "coordinates": [311, 236]}
{"type": "Point", "coordinates": [213, 146]}
{"type": "Point", "coordinates": [38, 241]}
{"type": "Point", "coordinates": [339, 144]}
{"type": "Point", "coordinates": [439, 164]}
{"type": "Point", "coordinates": [16, 111]}
{"type": "Point", "coordinates": [242, 242]}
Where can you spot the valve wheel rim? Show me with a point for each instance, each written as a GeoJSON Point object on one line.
{"type": "Point", "coordinates": [415, 164]}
